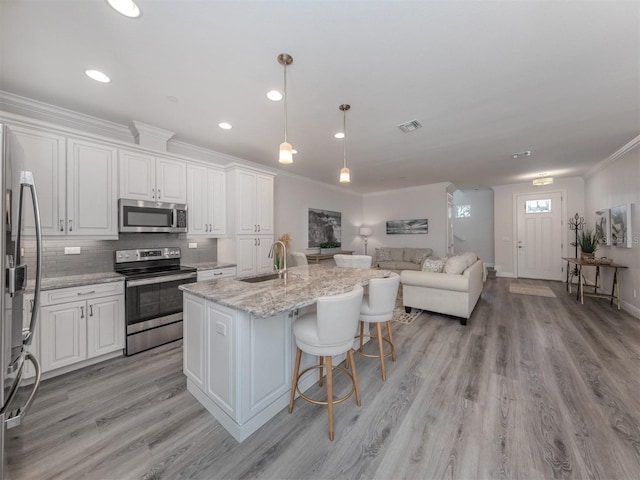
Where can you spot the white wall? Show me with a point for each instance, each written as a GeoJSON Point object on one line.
{"type": "Point", "coordinates": [505, 219]}
{"type": "Point", "coordinates": [428, 201]}
{"type": "Point", "coordinates": [295, 195]}
{"type": "Point", "coordinates": [475, 233]}
{"type": "Point", "coordinates": [616, 184]}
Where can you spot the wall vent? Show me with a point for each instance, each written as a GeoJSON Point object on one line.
{"type": "Point", "coordinates": [410, 126]}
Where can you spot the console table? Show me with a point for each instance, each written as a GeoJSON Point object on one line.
{"type": "Point", "coordinates": [316, 257]}
{"type": "Point", "coordinates": [579, 263]}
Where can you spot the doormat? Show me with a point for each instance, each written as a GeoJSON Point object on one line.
{"type": "Point", "coordinates": [538, 291]}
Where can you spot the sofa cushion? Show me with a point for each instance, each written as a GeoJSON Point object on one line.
{"type": "Point", "coordinates": [383, 254]}
{"type": "Point", "coordinates": [435, 265]}
{"type": "Point", "coordinates": [421, 255]}
{"type": "Point", "coordinates": [398, 266]}
{"type": "Point", "coordinates": [397, 254]}
{"type": "Point", "coordinates": [460, 263]}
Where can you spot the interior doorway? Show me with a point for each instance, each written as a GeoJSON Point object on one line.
{"type": "Point", "coordinates": [539, 235]}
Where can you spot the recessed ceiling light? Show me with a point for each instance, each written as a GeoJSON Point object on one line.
{"type": "Point", "coordinates": [97, 76]}
{"type": "Point", "coordinates": [526, 153]}
{"type": "Point", "coordinates": [225, 126]}
{"type": "Point", "coordinates": [339, 135]}
{"type": "Point", "coordinates": [274, 95]}
{"type": "Point", "coordinates": [171, 98]}
{"type": "Point", "coordinates": [128, 8]}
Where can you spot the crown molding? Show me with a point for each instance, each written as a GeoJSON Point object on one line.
{"type": "Point", "coordinates": [46, 112]}
{"type": "Point", "coordinates": [613, 157]}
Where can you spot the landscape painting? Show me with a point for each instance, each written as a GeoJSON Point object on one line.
{"type": "Point", "coordinates": [603, 226]}
{"type": "Point", "coordinates": [401, 227]}
{"type": "Point", "coordinates": [621, 226]}
{"type": "Point", "coordinates": [323, 226]}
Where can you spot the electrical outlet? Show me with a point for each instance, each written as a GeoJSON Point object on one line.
{"type": "Point", "coordinates": [72, 250]}
{"type": "Point", "coordinates": [193, 245]}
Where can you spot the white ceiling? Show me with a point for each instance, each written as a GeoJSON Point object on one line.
{"type": "Point", "coordinates": [485, 79]}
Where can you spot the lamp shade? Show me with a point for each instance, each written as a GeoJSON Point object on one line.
{"type": "Point", "coordinates": [365, 231]}
{"type": "Point", "coordinates": [345, 175]}
{"type": "Point", "coordinates": [286, 153]}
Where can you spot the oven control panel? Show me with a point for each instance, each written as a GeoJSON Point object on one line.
{"type": "Point", "coordinates": [145, 254]}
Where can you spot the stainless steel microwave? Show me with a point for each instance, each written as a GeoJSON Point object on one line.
{"type": "Point", "coordinates": [151, 217]}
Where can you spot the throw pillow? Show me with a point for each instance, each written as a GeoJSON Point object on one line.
{"type": "Point", "coordinates": [435, 265]}
{"type": "Point", "coordinates": [419, 257]}
{"type": "Point", "coordinates": [383, 254]}
{"type": "Point", "coordinates": [456, 265]}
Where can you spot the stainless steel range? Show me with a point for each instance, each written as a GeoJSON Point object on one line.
{"type": "Point", "coordinates": [153, 302]}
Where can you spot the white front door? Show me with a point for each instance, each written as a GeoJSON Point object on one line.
{"type": "Point", "coordinates": [539, 221]}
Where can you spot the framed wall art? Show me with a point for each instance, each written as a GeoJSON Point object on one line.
{"type": "Point", "coordinates": [323, 226]}
{"type": "Point", "coordinates": [402, 227]}
{"type": "Point", "coordinates": [621, 226]}
{"type": "Point", "coordinates": [603, 226]}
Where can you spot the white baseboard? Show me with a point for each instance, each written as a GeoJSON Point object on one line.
{"type": "Point", "coordinates": [505, 275]}
{"type": "Point", "coordinates": [630, 309]}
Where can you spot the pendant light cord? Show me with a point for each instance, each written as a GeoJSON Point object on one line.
{"type": "Point", "coordinates": [285, 102]}
{"type": "Point", "coordinates": [344, 143]}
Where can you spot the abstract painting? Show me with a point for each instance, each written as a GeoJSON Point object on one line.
{"type": "Point", "coordinates": [621, 226]}
{"type": "Point", "coordinates": [603, 226]}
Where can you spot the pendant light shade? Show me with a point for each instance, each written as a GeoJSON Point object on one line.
{"type": "Point", "coordinates": [286, 149]}
{"type": "Point", "coordinates": [345, 174]}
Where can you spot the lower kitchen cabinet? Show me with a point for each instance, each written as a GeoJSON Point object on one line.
{"type": "Point", "coordinates": [253, 255]}
{"type": "Point", "coordinates": [75, 331]}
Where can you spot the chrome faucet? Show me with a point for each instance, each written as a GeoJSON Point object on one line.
{"type": "Point", "coordinates": [274, 255]}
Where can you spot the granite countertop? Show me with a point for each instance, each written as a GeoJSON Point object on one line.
{"type": "Point", "coordinates": [304, 284]}
{"type": "Point", "coordinates": [210, 265]}
{"type": "Point", "coordinates": [74, 281]}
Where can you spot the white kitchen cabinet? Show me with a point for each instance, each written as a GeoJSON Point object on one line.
{"type": "Point", "coordinates": [92, 189]}
{"type": "Point", "coordinates": [206, 200]}
{"type": "Point", "coordinates": [250, 201]}
{"type": "Point", "coordinates": [216, 273]}
{"type": "Point", "coordinates": [153, 178]}
{"type": "Point", "coordinates": [43, 154]}
{"type": "Point", "coordinates": [76, 183]}
{"type": "Point", "coordinates": [253, 255]}
{"type": "Point", "coordinates": [80, 323]}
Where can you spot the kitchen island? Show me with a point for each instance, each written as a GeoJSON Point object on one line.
{"type": "Point", "coordinates": [238, 341]}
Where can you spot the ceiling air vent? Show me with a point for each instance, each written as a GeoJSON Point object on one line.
{"type": "Point", "coordinates": [410, 126]}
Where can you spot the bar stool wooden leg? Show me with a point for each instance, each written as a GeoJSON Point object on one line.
{"type": "Point", "coordinates": [294, 380]}
{"type": "Point", "coordinates": [320, 370]}
{"type": "Point", "coordinates": [330, 397]}
{"type": "Point", "coordinates": [393, 348]}
{"type": "Point", "coordinates": [361, 335]}
{"type": "Point", "coordinates": [352, 362]}
{"type": "Point", "coordinates": [380, 346]}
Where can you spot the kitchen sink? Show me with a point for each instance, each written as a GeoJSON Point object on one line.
{"type": "Point", "coordinates": [260, 278]}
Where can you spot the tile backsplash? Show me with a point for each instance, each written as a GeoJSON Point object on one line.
{"type": "Point", "coordinates": [97, 255]}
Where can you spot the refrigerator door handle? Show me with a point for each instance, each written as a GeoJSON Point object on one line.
{"type": "Point", "coordinates": [26, 180]}
{"type": "Point", "coordinates": [15, 419]}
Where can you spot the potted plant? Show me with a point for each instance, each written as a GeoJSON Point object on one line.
{"type": "Point", "coordinates": [588, 241]}
{"type": "Point", "coordinates": [330, 247]}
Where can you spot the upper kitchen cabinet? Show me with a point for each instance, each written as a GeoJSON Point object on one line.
{"type": "Point", "coordinates": [250, 201]}
{"type": "Point", "coordinates": [206, 200]}
{"type": "Point", "coordinates": [43, 154]}
{"type": "Point", "coordinates": [92, 189]}
{"type": "Point", "coordinates": [152, 178]}
{"type": "Point", "coordinates": [76, 182]}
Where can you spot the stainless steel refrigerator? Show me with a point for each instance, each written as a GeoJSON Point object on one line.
{"type": "Point", "coordinates": [15, 337]}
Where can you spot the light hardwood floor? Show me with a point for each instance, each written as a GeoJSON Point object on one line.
{"type": "Point", "coordinates": [533, 387]}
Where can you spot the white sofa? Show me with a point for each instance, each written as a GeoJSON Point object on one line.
{"type": "Point", "coordinates": [451, 294]}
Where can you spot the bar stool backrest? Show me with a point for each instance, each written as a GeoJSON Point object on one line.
{"type": "Point", "coordinates": [338, 316]}
{"type": "Point", "coordinates": [383, 293]}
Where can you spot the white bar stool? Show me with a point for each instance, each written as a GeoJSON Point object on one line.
{"type": "Point", "coordinates": [327, 332]}
{"type": "Point", "coordinates": [377, 307]}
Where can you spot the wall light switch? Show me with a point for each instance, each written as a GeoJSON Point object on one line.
{"type": "Point", "coordinates": [72, 250]}
{"type": "Point", "coordinates": [193, 245]}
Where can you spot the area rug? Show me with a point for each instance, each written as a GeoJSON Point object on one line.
{"type": "Point", "coordinates": [399, 315]}
{"type": "Point", "coordinates": [538, 291]}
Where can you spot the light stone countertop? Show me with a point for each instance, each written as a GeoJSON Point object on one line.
{"type": "Point", "coordinates": [304, 284]}
{"type": "Point", "coordinates": [209, 265]}
{"type": "Point", "coordinates": [74, 281]}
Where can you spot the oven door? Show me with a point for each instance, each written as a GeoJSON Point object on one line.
{"type": "Point", "coordinates": [153, 302]}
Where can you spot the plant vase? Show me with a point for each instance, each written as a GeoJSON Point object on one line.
{"type": "Point", "coordinates": [330, 251]}
{"type": "Point", "coordinates": [587, 255]}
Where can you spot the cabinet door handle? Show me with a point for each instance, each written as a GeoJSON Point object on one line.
{"type": "Point", "coordinates": [91, 310]}
{"type": "Point", "coordinates": [259, 242]}
{"type": "Point", "coordinates": [153, 193]}
{"type": "Point", "coordinates": [255, 242]}
{"type": "Point", "coordinates": [159, 194]}
{"type": "Point", "coordinates": [61, 225]}
{"type": "Point", "coordinates": [71, 225]}
{"type": "Point", "coordinates": [210, 228]}
{"type": "Point", "coordinates": [82, 312]}
{"type": "Point", "coordinates": [258, 227]}
{"type": "Point", "coordinates": [87, 293]}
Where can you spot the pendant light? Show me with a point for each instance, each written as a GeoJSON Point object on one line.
{"type": "Point", "coordinates": [286, 150]}
{"type": "Point", "coordinates": [345, 174]}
